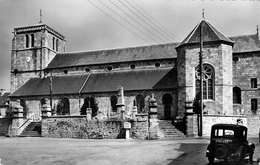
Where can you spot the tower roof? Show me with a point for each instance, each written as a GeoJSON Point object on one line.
{"type": "Point", "coordinates": [209, 34]}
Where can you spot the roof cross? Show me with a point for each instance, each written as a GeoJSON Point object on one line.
{"type": "Point", "coordinates": [203, 10]}
{"type": "Point", "coordinates": [40, 16]}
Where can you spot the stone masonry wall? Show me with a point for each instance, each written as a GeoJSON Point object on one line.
{"type": "Point", "coordinates": [79, 127]}
{"type": "Point", "coordinates": [245, 68]}
{"type": "Point", "coordinates": [219, 56]}
{"type": "Point", "coordinates": [5, 123]}
{"type": "Point", "coordinates": [104, 104]}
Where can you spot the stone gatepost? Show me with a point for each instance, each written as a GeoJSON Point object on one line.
{"type": "Point", "coordinates": [100, 115]}
{"type": "Point", "coordinates": [46, 112]}
{"type": "Point", "coordinates": [189, 118]}
{"type": "Point", "coordinates": [134, 112]}
{"type": "Point", "coordinates": [17, 119]}
{"type": "Point", "coordinates": [153, 119]}
{"type": "Point", "coordinates": [89, 114]}
{"type": "Point", "coordinates": [121, 103]}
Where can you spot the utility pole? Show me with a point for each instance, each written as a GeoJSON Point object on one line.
{"type": "Point", "coordinates": [200, 132]}
{"type": "Point", "coordinates": [51, 92]}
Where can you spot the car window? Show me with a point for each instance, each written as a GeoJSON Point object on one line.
{"type": "Point", "coordinates": [224, 133]}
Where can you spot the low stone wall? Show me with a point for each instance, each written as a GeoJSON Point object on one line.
{"type": "Point", "coordinates": [209, 120]}
{"type": "Point", "coordinates": [252, 122]}
{"type": "Point", "coordinates": [79, 127]}
{"type": "Point", "coordinates": [5, 123]}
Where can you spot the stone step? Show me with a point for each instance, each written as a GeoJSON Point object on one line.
{"type": "Point", "coordinates": [32, 130]}
{"type": "Point", "coordinates": [168, 130]}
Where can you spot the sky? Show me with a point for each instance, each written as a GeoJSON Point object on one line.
{"type": "Point", "coordinates": [107, 24]}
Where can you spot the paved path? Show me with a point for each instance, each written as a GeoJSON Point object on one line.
{"type": "Point", "coordinates": [50, 151]}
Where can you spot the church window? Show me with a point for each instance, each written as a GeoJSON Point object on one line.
{"type": "Point", "coordinates": [208, 81]}
{"type": "Point", "coordinates": [254, 105]}
{"type": "Point", "coordinates": [63, 107]}
{"type": "Point", "coordinates": [53, 43]}
{"type": "Point", "coordinates": [132, 66]}
{"type": "Point", "coordinates": [57, 45]}
{"type": "Point", "coordinates": [113, 101]}
{"type": "Point", "coordinates": [27, 41]}
{"type": "Point", "coordinates": [139, 103]}
{"type": "Point", "coordinates": [23, 104]}
{"type": "Point", "coordinates": [253, 82]}
{"type": "Point", "coordinates": [157, 64]}
{"type": "Point", "coordinates": [236, 95]}
{"type": "Point", "coordinates": [109, 68]}
{"type": "Point", "coordinates": [89, 102]}
{"type": "Point", "coordinates": [32, 40]}
{"type": "Point", "coordinates": [66, 71]}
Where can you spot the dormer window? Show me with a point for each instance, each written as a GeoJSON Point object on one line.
{"type": "Point", "coordinates": [109, 68]}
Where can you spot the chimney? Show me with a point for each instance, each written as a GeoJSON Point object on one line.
{"type": "Point", "coordinates": [2, 91]}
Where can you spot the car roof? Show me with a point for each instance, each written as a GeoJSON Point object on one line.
{"type": "Point", "coordinates": [229, 125]}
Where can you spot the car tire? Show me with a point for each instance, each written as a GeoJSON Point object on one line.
{"type": "Point", "coordinates": [221, 152]}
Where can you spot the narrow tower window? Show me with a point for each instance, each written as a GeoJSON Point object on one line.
{"type": "Point", "coordinates": [57, 45]}
{"type": "Point", "coordinates": [27, 41]}
{"type": "Point", "coordinates": [32, 40]}
{"type": "Point", "coordinates": [53, 43]}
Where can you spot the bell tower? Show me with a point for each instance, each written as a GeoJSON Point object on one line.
{"type": "Point", "coordinates": [217, 69]}
{"type": "Point", "coordinates": [33, 47]}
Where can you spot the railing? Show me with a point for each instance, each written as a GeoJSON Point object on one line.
{"type": "Point", "coordinates": [31, 118]}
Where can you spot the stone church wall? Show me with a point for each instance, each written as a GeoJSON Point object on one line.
{"type": "Point", "coordinates": [245, 67]}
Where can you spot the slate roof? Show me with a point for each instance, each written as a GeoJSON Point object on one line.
{"type": "Point", "coordinates": [60, 85]}
{"type": "Point", "coordinates": [209, 33]}
{"type": "Point", "coordinates": [163, 51]}
{"type": "Point", "coordinates": [100, 82]}
{"type": "Point", "coordinates": [246, 43]}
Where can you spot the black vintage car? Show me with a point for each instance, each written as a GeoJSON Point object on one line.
{"type": "Point", "coordinates": [229, 143]}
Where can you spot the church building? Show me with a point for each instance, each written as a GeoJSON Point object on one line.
{"type": "Point", "coordinates": [73, 81]}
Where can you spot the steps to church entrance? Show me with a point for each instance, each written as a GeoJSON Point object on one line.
{"type": "Point", "coordinates": [168, 130]}
{"type": "Point", "coordinates": [32, 130]}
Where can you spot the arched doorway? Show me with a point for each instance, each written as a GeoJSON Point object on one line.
{"type": "Point", "coordinates": [89, 102]}
{"type": "Point", "coordinates": [167, 104]}
{"type": "Point", "coordinates": [63, 107]}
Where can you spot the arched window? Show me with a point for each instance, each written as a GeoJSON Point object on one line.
{"type": "Point", "coordinates": [32, 40]}
{"type": "Point", "coordinates": [139, 103]}
{"type": "Point", "coordinates": [236, 95]}
{"type": "Point", "coordinates": [53, 43]}
{"type": "Point", "coordinates": [113, 101]}
{"type": "Point", "coordinates": [208, 81]}
{"type": "Point", "coordinates": [27, 41]}
{"type": "Point", "coordinates": [57, 45]}
{"type": "Point", "coordinates": [89, 102]}
{"type": "Point", "coordinates": [63, 107]}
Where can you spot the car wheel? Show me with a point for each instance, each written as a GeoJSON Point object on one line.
{"type": "Point", "coordinates": [221, 152]}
